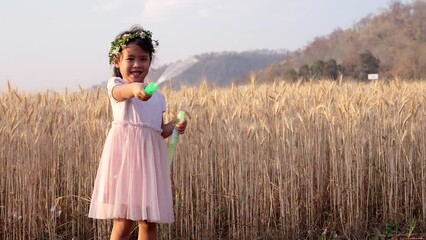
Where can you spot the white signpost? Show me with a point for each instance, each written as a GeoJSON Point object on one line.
{"type": "Point", "coordinates": [373, 76]}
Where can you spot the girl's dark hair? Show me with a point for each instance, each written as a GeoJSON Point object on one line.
{"type": "Point", "coordinates": [145, 43]}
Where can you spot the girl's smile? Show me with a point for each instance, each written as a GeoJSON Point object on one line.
{"type": "Point", "coordinates": [133, 63]}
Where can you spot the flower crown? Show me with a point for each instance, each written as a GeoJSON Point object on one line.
{"type": "Point", "coordinates": [120, 42]}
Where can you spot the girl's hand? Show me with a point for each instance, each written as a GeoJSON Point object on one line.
{"type": "Point", "coordinates": [181, 126]}
{"type": "Point", "coordinates": [139, 91]}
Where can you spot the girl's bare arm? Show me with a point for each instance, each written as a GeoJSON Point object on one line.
{"type": "Point", "coordinates": [129, 90]}
{"type": "Point", "coordinates": [167, 128]}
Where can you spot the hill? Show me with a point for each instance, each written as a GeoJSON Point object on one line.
{"type": "Point", "coordinates": [222, 68]}
{"type": "Point", "coordinates": [394, 41]}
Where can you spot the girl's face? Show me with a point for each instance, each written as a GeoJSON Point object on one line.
{"type": "Point", "coordinates": [133, 63]}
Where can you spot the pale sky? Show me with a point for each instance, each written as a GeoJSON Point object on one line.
{"type": "Point", "coordinates": [51, 44]}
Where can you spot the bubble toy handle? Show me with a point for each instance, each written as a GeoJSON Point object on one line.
{"type": "Point", "coordinates": [151, 88]}
{"type": "Point", "coordinates": [174, 137]}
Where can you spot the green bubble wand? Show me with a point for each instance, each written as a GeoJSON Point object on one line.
{"type": "Point", "coordinates": [172, 71]}
{"type": "Point", "coordinates": [174, 137]}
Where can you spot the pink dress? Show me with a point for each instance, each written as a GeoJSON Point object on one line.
{"type": "Point", "coordinates": [133, 179]}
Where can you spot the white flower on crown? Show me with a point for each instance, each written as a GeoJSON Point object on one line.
{"type": "Point", "coordinates": [115, 51]}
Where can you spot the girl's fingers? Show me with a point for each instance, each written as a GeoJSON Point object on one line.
{"type": "Point", "coordinates": [143, 96]}
{"type": "Point", "coordinates": [140, 97]}
{"type": "Point", "coordinates": [180, 131]}
{"type": "Point", "coordinates": [181, 127]}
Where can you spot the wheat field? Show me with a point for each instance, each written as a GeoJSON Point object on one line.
{"type": "Point", "coordinates": [306, 160]}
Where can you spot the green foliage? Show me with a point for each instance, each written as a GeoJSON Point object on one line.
{"type": "Point", "coordinates": [316, 69]}
{"type": "Point", "coordinates": [390, 229]}
{"type": "Point", "coordinates": [304, 72]}
{"type": "Point", "coordinates": [329, 235]}
{"type": "Point", "coordinates": [356, 66]}
{"type": "Point", "coordinates": [291, 75]}
{"type": "Point", "coordinates": [411, 227]}
{"type": "Point", "coordinates": [331, 69]}
{"type": "Point", "coordinates": [369, 64]}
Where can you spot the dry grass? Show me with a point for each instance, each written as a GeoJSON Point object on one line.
{"type": "Point", "coordinates": [281, 161]}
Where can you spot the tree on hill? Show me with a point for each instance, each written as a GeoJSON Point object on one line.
{"type": "Point", "coordinates": [304, 73]}
{"type": "Point", "coordinates": [369, 64]}
{"type": "Point", "coordinates": [291, 74]}
{"type": "Point", "coordinates": [316, 69]}
{"type": "Point", "coordinates": [355, 66]}
{"type": "Point", "coordinates": [358, 66]}
{"type": "Point", "coordinates": [331, 69]}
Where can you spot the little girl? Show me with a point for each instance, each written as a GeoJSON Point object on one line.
{"type": "Point", "coordinates": [133, 180]}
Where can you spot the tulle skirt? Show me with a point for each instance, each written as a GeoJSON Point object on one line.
{"type": "Point", "coordinates": [133, 179]}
